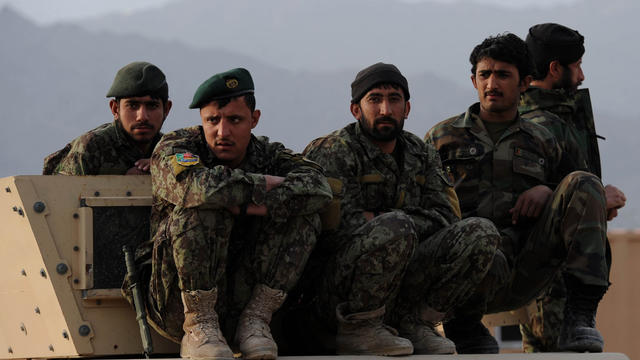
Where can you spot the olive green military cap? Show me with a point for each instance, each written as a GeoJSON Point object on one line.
{"type": "Point", "coordinates": [232, 83]}
{"type": "Point", "coordinates": [139, 78]}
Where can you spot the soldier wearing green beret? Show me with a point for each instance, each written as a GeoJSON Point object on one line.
{"type": "Point", "coordinates": [557, 51]}
{"type": "Point", "coordinates": [234, 219]}
{"type": "Point", "coordinates": [139, 104]}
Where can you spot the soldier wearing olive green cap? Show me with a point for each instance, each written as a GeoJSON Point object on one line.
{"type": "Point", "coordinates": [234, 219]}
{"type": "Point", "coordinates": [139, 104]}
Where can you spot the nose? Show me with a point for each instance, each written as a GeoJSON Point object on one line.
{"type": "Point", "coordinates": [580, 75]}
{"type": "Point", "coordinates": [142, 114]}
{"type": "Point", "coordinates": [491, 82]}
{"type": "Point", "coordinates": [385, 107]}
{"type": "Point", "coordinates": [223, 129]}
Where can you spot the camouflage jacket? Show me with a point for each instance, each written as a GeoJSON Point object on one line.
{"type": "Point", "coordinates": [489, 176]}
{"type": "Point", "coordinates": [374, 181]}
{"type": "Point", "coordinates": [105, 150]}
{"type": "Point", "coordinates": [209, 185]}
{"type": "Point", "coordinates": [573, 127]}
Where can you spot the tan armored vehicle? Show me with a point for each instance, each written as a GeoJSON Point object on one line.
{"type": "Point", "coordinates": [62, 267]}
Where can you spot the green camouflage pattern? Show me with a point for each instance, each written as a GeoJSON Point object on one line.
{"type": "Point", "coordinates": [576, 132]}
{"type": "Point", "coordinates": [570, 119]}
{"type": "Point", "coordinates": [570, 232]}
{"type": "Point", "coordinates": [414, 250]}
{"type": "Point", "coordinates": [198, 244]}
{"type": "Point", "coordinates": [105, 150]}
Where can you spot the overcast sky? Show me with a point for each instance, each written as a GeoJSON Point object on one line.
{"type": "Point", "coordinates": [49, 11]}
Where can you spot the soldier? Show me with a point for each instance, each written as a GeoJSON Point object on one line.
{"type": "Point", "coordinates": [395, 240]}
{"type": "Point", "coordinates": [140, 104]}
{"type": "Point", "coordinates": [511, 172]}
{"type": "Point", "coordinates": [557, 56]}
{"type": "Point", "coordinates": [234, 219]}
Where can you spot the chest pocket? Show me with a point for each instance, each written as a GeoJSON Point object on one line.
{"type": "Point", "coordinates": [375, 194]}
{"type": "Point", "coordinates": [463, 163]}
{"type": "Point", "coordinates": [529, 163]}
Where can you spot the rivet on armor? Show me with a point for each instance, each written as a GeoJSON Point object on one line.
{"type": "Point", "coordinates": [39, 206]}
{"type": "Point", "coordinates": [62, 268]}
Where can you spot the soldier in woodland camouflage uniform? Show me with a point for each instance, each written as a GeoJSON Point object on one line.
{"type": "Point", "coordinates": [566, 111]}
{"type": "Point", "coordinates": [394, 241]}
{"type": "Point", "coordinates": [512, 172]}
{"type": "Point", "coordinates": [140, 105]}
{"type": "Point", "coordinates": [234, 220]}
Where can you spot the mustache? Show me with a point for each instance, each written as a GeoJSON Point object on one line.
{"type": "Point", "coordinates": [385, 120]}
{"type": "Point", "coordinates": [493, 93]}
{"type": "Point", "coordinates": [142, 125]}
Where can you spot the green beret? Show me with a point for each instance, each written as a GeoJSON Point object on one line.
{"type": "Point", "coordinates": [227, 84]}
{"type": "Point", "coordinates": [139, 78]}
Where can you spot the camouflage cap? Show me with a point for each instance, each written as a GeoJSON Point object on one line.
{"type": "Point", "coordinates": [139, 78]}
{"type": "Point", "coordinates": [227, 84]}
{"type": "Point", "coordinates": [378, 73]}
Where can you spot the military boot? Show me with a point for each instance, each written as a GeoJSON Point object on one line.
{"type": "Point", "coordinates": [365, 334]}
{"type": "Point", "coordinates": [202, 336]}
{"type": "Point", "coordinates": [471, 336]}
{"type": "Point", "coordinates": [420, 328]}
{"type": "Point", "coordinates": [253, 334]}
{"type": "Point", "coordinates": [579, 331]}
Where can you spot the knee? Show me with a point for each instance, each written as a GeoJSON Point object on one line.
{"type": "Point", "coordinates": [583, 181]}
{"type": "Point", "coordinates": [481, 232]}
{"type": "Point", "coordinates": [395, 229]}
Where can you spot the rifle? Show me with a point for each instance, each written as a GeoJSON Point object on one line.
{"type": "Point", "coordinates": [138, 304]}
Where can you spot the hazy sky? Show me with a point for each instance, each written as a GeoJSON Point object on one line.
{"type": "Point", "coordinates": [49, 11]}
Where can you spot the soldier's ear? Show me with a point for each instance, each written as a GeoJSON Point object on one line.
{"type": "Point", "coordinates": [473, 81]}
{"type": "Point", "coordinates": [356, 111]}
{"type": "Point", "coordinates": [524, 83]}
{"type": "Point", "coordinates": [113, 105]}
{"type": "Point", "coordinates": [167, 108]}
{"type": "Point", "coordinates": [255, 117]}
{"type": "Point", "coordinates": [555, 70]}
{"type": "Point", "coordinates": [407, 109]}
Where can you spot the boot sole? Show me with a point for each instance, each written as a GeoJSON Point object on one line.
{"type": "Point", "coordinates": [260, 354]}
{"type": "Point", "coordinates": [384, 352]}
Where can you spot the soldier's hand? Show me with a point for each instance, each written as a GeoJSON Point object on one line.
{"type": "Point", "coordinates": [141, 167]}
{"type": "Point", "coordinates": [273, 181]}
{"type": "Point", "coordinates": [615, 200]}
{"type": "Point", "coordinates": [531, 203]}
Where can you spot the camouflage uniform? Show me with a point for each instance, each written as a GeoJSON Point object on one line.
{"type": "Point", "coordinates": [570, 231]}
{"type": "Point", "coordinates": [199, 244]}
{"type": "Point", "coordinates": [415, 250]}
{"type": "Point", "coordinates": [105, 150]}
{"type": "Point", "coordinates": [570, 119]}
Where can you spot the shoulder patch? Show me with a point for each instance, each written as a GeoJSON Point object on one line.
{"type": "Point", "coordinates": [187, 159]}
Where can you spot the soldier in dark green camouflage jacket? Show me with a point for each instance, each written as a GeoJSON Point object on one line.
{"type": "Point", "coordinates": [512, 172]}
{"type": "Point", "coordinates": [140, 105]}
{"type": "Point", "coordinates": [396, 242]}
{"type": "Point", "coordinates": [234, 220]}
{"type": "Point", "coordinates": [557, 51]}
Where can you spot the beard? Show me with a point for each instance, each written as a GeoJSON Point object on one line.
{"type": "Point", "coordinates": [566, 81]}
{"type": "Point", "coordinates": [389, 132]}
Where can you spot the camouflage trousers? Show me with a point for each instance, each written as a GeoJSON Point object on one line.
{"type": "Point", "coordinates": [384, 263]}
{"type": "Point", "coordinates": [198, 249]}
{"type": "Point", "coordinates": [570, 235]}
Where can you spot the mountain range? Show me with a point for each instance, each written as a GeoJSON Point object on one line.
{"type": "Point", "coordinates": [303, 56]}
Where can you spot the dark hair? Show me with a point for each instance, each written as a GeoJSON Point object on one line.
{"type": "Point", "coordinates": [249, 100]}
{"type": "Point", "coordinates": [505, 47]}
